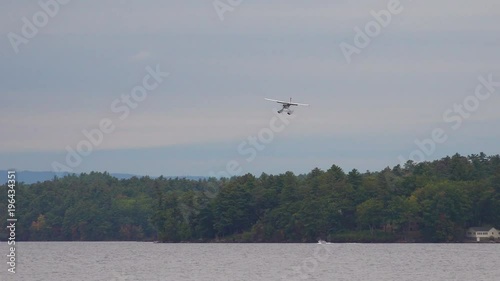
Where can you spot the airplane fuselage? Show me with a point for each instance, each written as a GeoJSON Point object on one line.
{"type": "Point", "coordinates": [286, 108]}
{"type": "Point", "coordinates": [286, 105]}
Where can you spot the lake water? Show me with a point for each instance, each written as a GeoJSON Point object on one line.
{"type": "Point", "coordinates": [121, 261]}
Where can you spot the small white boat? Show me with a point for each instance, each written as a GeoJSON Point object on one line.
{"type": "Point", "coordinates": [323, 242]}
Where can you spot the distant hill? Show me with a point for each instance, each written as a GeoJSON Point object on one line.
{"type": "Point", "coordinates": [30, 177]}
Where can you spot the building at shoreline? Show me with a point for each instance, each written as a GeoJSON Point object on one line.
{"type": "Point", "coordinates": [482, 233]}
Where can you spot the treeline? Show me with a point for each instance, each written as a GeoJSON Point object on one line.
{"type": "Point", "coordinates": [89, 207]}
{"type": "Point", "coordinates": [425, 202]}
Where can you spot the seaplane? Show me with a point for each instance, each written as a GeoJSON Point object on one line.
{"type": "Point", "coordinates": [286, 105]}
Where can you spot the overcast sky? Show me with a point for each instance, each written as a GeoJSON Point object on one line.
{"type": "Point", "coordinates": [222, 64]}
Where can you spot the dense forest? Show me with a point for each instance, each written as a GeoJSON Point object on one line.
{"type": "Point", "coordinates": [418, 202]}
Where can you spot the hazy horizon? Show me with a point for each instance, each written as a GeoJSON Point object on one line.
{"type": "Point", "coordinates": [69, 78]}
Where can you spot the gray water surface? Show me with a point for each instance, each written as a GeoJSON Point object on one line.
{"type": "Point", "coordinates": [121, 261]}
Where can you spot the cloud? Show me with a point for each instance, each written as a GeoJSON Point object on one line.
{"type": "Point", "coordinates": [152, 17]}
{"type": "Point", "coordinates": [66, 78]}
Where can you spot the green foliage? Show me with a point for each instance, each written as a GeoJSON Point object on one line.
{"type": "Point", "coordinates": [429, 202]}
{"type": "Point", "coordinates": [370, 213]}
{"type": "Point", "coordinates": [446, 207]}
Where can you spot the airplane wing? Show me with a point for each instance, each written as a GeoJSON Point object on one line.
{"type": "Point", "coordinates": [286, 102]}
{"type": "Point", "coordinates": [302, 104]}
{"type": "Point", "coordinates": [278, 101]}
